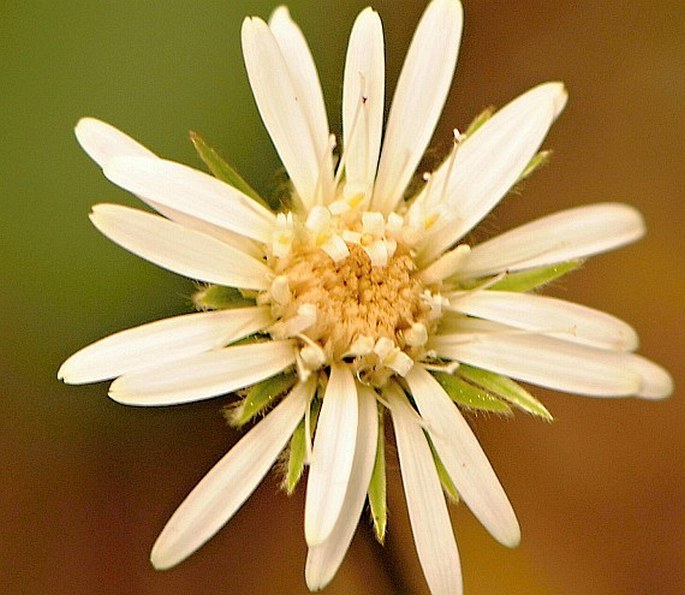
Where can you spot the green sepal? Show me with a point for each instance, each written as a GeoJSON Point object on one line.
{"type": "Point", "coordinates": [522, 281]}
{"type": "Point", "coordinates": [219, 297]}
{"type": "Point", "coordinates": [259, 397]}
{"type": "Point", "coordinates": [479, 120]}
{"type": "Point", "coordinates": [378, 503]}
{"type": "Point", "coordinates": [470, 396]}
{"type": "Point", "coordinates": [539, 159]}
{"type": "Point", "coordinates": [445, 480]}
{"type": "Point", "coordinates": [222, 170]}
{"type": "Point", "coordinates": [297, 453]}
{"type": "Point", "coordinates": [506, 389]}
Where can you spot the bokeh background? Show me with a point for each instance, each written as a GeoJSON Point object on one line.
{"type": "Point", "coordinates": [86, 484]}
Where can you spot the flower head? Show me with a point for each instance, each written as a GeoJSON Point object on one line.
{"type": "Point", "coordinates": [356, 299]}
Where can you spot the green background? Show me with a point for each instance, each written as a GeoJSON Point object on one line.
{"type": "Point", "coordinates": [86, 484]}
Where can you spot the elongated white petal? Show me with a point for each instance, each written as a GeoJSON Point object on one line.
{"type": "Point", "coordinates": [282, 111]}
{"type": "Point", "coordinates": [305, 79]}
{"type": "Point", "coordinates": [204, 375]}
{"type": "Point", "coordinates": [563, 236]}
{"type": "Point", "coordinates": [550, 316]}
{"type": "Point", "coordinates": [237, 241]}
{"type": "Point", "coordinates": [419, 98]}
{"type": "Point", "coordinates": [184, 251]}
{"type": "Point", "coordinates": [363, 100]}
{"type": "Point", "coordinates": [486, 165]}
{"type": "Point", "coordinates": [323, 560]}
{"type": "Point", "coordinates": [546, 361]}
{"type": "Point", "coordinates": [430, 521]}
{"type": "Point", "coordinates": [230, 482]}
{"type": "Point", "coordinates": [332, 455]}
{"type": "Point", "coordinates": [103, 142]}
{"type": "Point", "coordinates": [463, 457]}
{"type": "Point", "coordinates": [163, 341]}
{"type": "Point", "coordinates": [192, 192]}
{"type": "Point", "coordinates": [656, 381]}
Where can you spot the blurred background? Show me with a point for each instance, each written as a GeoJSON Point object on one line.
{"type": "Point", "coordinates": [86, 484]}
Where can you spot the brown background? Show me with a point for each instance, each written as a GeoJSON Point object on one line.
{"type": "Point", "coordinates": [86, 484]}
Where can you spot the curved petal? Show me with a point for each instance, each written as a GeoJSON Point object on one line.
{"type": "Point", "coordinates": [178, 249]}
{"type": "Point", "coordinates": [566, 235]}
{"type": "Point", "coordinates": [162, 341]}
{"type": "Point", "coordinates": [656, 381]}
{"type": "Point", "coordinates": [103, 142]}
{"type": "Point", "coordinates": [203, 376]}
{"type": "Point", "coordinates": [470, 183]}
{"type": "Point", "coordinates": [545, 361]}
{"type": "Point", "coordinates": [230, 482]}
{"type": "Point", "coordinates": [419, 98]}
{"type": "Point", "coordinates": [332, 455]}
{"type": "Point", "coordinates": [463, 457]}
{"type": "Point", "coordinates": [323, 560]}
{"type": "Point", "coordinates": [303, 73]}
{"type": "Point", "coordinates": [363, 101]}
{"type": "Point", "coordinates": [430, 521]}
{"type": "Point", "coordinates": [192, 192]}
{"type": "Point", "coordinates": [550, 316]}
{"type": "Point", "coordinates": [282, 112]}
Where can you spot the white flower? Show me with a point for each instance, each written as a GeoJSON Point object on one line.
{"type": "Point", "coordinates": [356, 300]}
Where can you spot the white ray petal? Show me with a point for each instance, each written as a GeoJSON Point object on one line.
{"type": "Point", "coordinates": [230, 482]}
{"type": "Point", "coordinates": [656, 381]}
{"type": "Point", "coordinates": [563, 236]}
{"type": "Point", "coordinates": [485, 166]}
{"type": "Point", "coordinates": [281, 109]}
{"type": "Point", "coordinates": [550, 316]}
{"type": "Point", "coordinates": [546, 361]}
{"type": "Point", "coordinates": [323, 560]}
{"type": "Point", "coordinates": [332, 455]}
{"type": "Point", "coordinates": [430, 521]}
{"type": "Point", "coordinates": [203, 376]}
{"type": "Point", "coordinates": [463, 457]}
{"type": "Point", "coordinates": [174, 247]}
{"type": "Point", "coordinates": [103, 142]}
{"type": "Point", "coordinates": [192, 192]}
{"type": "Point", "coordinates": [305, 78]}
{"type": "Point", "coordinates": [162, 341]}
{"type": "Point", "coordinates": [419, 98]}
{"type": "Point", "coordinates": [363, 100]}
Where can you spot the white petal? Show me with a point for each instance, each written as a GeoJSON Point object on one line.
{"type": "Point", "coordinates": [363, 99]}
{"type": "Point", "coordinates": [323, 560]}
{"type": "Point", "coordinates": [230, 482]}
{"type": "Point", "coordinates": [463, 457]}
{"type": "Point", "coordinates": [303, 74]}
{"type": "Point", "coordinates": [550, 316]}
{"type": "Point", "coordinates": [656, 382]}
{"type": "Point", "coordinates": [486, 165]}
{"type": "Point", "coordinates": [282, 110]}
{"type": "Point", "coordinates": [163, 341]}
{"type": "Point", "coordinates": [430, 521]}
{"type": "Point", "coordinates": [419, 98]}
{"type": "Point", "coordinates": [203, 376]}
{"type": "Point", "coordinates": [566, 235]}
{"type": "Point", "coordinates": [332, 455]}
{"type": "Point", "coordinates": [192, 192]}
{"type": "Point", "coordinates": [103, 142]}
{"type": "Point", "coordinates": [546, 361]}
{"type": "Point", "coordinates": [237, 241]}
{"type": "Point", "coordinates": [184, 251]}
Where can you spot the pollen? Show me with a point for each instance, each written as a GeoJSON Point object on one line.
{"type": "Point", "coordinates": [376, 318]}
